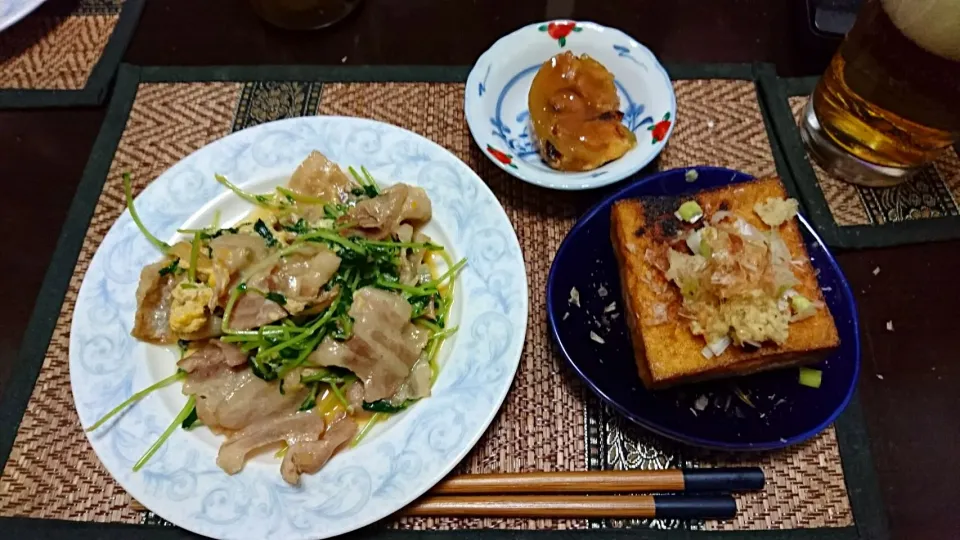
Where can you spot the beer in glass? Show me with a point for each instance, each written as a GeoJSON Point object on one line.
{"type": "Point", "coordinates": [890, 99]}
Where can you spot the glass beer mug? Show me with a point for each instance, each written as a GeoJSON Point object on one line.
{"type": "Point", "coordinates": [303, 14]}
{"type": "Point", "coordinates": [890, 99]}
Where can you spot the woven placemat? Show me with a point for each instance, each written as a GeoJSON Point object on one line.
{"type": "Point", "coordinates": [160, 115]}
{"type": "Point", "coordinates": [65, 53]}
{"type": "Point", "coordinates": [924, 209]}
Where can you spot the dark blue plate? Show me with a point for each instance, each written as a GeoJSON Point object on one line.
{"type": "Point", "coordinates": [757, 412]}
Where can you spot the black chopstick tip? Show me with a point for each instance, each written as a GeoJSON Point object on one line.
{"type": "Point", "coordinates": [723, 480]}
{"type": "Point", "coordinates": [694, 507]}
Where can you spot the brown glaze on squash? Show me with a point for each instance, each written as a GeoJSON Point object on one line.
{"type": "Point", "coordinates": [575, 114]}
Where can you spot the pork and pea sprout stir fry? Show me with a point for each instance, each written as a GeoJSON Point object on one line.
{"type": "Point", "coordinates": [305, 324]}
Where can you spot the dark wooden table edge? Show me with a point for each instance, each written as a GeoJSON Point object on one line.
{"type": "Point", "coordinates": [98, 83]}
{"type": "Point", "coordinates": [776, 93]}
{"type": "Point", "coordinates": [70, 530]}
{"type": "Point", "coordinates": [866, 503]}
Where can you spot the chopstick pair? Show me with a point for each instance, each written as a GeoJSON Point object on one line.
{"type": "Point", "coordinates": [537, 495]}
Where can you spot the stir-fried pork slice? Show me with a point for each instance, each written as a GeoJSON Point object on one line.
{"type": "Point", "coordinates": [319, 177]}
{"type": "Point", "coordinates": [310, 456]}
{"type": "Point", "coordinates": [182, 251]}
{"type": "Point", "coordinates": [416, 385]}
{"type": "Point", "coordinates": [412, 268]}
{"type": "Point", "coordinates": [354, 395]}
{"type": "Point", "coordinates": [212, 356]}
{"type": "Point", "coordinates": [302, 275]}
{"type": "Point", "coordinates": [382, 215]}
{"type": "Point", "coordinates": [235, 398]}
{"type": "Point", "coordinates": [384, 346]}
{"type": "Point", "coordinates": [233, 253]}
{"type": "Point", "coordinates": [293, 428]}
{"type": "Point", "coordinates": [253, 310]}
{"type": "Point", "coordinates": [154, 298]}
{"type": "Point", "coordinates": [405, 232]}
{"type": "Point", "coordinates": [322, 302]}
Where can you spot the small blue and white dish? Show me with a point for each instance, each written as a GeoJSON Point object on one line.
{"type": "Point", "coordinates": [756, 412]}
{"type": "Point", "coordinates": [497, 88]}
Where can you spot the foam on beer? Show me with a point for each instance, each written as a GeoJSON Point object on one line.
{"type": "Point", "coordinates": [931, 24]}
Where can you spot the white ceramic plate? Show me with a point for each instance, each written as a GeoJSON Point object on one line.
{"type": "Point", "coordinates": [498, 84]}
{"type": "Point", "coordinates": [398, 460]}
{"type": "Point", "coordinates": [12, 11]}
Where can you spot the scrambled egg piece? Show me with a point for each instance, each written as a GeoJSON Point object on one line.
{"type": "Point", "coordinates": [188, 311]}
{"type": "Point", "coordinates": [775, 211]}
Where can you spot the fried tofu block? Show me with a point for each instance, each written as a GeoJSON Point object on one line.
{"type": "Point", "coordinates": [669, 353]}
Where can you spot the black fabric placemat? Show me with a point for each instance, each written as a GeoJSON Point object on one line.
{"type": "Point", "coordinates": [924, 209]}
{"type": "Point", "coordinates": [65, 53]}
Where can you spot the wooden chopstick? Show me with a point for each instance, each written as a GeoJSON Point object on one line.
{"type": "Point", "coordinates": [500, 495]}
{"type": "Point", "coordinates": [669, 480]}
{"type": "Point", "coordinates": [578, 506]}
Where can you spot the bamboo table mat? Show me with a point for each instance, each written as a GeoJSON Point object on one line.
{"type": "Point", "coordinates": [923, 209]}
{"type": "Point", "coordinates": [65, 53]}
{"type": "Point", "coordinates": [159, 115]}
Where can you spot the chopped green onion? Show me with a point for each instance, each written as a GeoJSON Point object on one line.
{"type": "Point", "coordinates": [705, 249]}
{"type": "Point", "coordinates": [811, 377]}
{"type": "Point", "coordinates": [179, 375]}
{"type": "Point", "coordinates": [216, 219]}
{"type": "Point", "coordinates": [184, 413]}
{"type": "Point", "coordinates": [800, 303]}
{"type": "Point", "coordinates": [128, 193]}
{"type": "Point", "coordinates": [690, 212]}
{"type": "Point", "coordinates": [282, 452]}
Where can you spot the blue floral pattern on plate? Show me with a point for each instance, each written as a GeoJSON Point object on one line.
{"type": "Point", "coordinates": [402, 458]}
{"type": "Point", "coordinates": [12, 11]}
